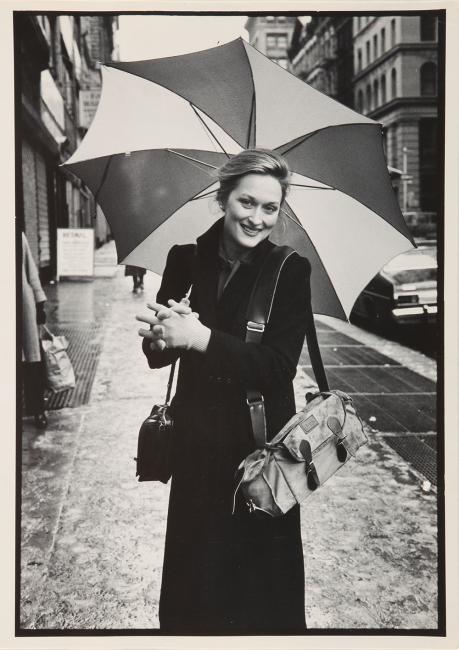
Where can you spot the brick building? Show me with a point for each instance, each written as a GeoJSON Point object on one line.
{"type": "Point", "coordinates": [271, 35]}
{"type": "Point", "coordinates": [56, 64]}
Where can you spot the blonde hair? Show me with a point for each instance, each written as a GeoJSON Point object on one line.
{"type": "Point", "coordinates": [251, 161]}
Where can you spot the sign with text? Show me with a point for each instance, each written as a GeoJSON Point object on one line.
{"type": "Point", "coordinates": [75, 252]}
{"type": "Point", "coordinates": [89, 101]}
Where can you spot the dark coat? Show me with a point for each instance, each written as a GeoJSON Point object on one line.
{"type": "Point", "coordinates": [226, 573]}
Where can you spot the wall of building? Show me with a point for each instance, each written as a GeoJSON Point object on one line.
{"type": "Point", "coordinates": [54, 67]}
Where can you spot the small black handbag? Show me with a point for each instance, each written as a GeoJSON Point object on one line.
{"type": "Point", "coordinates": [155, 442]}
{"type": "Point", "coordinates": [156, 436]}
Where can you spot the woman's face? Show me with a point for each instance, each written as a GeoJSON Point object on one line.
{"type": "Point", "coordinates": [251, 212]}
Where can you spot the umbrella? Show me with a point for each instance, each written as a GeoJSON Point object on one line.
{"type": "Point", "coordinates": [164, 126]}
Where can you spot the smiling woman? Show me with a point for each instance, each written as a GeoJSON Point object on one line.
{"type": "Point", "coordinates": [243, 572]}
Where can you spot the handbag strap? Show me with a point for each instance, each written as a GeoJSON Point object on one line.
{"type": "Point", "coordinates": [257, 316]}
{"type": "Point", "coordinates": [187, 295]}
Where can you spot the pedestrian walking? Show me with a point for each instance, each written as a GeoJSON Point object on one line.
{"type": "Point", "coordinates": [137, 276]}
{"type": "Point", "coordinates": [223, 572]}
{"type": "Point", "coordinates": [33, 315]}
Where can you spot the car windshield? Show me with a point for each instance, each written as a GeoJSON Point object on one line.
{"type": "Point", "coordinates": [413, 276]}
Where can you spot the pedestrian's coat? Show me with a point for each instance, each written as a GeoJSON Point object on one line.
{"type": "Point", "coordinates": [32, 293]}
{"type": "Point", "coordinates": [225, 573]}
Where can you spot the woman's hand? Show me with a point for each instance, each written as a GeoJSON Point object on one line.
{"type": "Point", "coordinates": [175, 326]}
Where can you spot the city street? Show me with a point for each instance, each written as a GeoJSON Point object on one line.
{"type": "Point", "coordinates": [92, 537]}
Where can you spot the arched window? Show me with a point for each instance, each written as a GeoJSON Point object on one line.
{"type": "Point", "coordinates": [369, 104]}
{"type": "Point", "coordinates": [360, 104]}
{"type": "Point", "coordinates": [383, 40]}
{"type": "Point", "coordinates": [376, 93]}
{"type": "Point", "coordinates": [429, 78]}
{"type": "Point", "coordinates": [359, 60]}
{"type": "Point", "coordinates": [375, 46]}
{"type": "Point", "coordinates": [428, 28]}
{"type": "Point", "coordinates": [383, 89]}
{"type": "Point", "coordinates": [393, 83]}
{"type": "Point", "coordinates": [392, 32]}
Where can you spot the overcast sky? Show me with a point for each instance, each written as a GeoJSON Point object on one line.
{"type": "Point", "coordinates": [149, 37]}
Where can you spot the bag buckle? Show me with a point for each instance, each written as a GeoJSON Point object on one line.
{"type": "Point", "coordinates": [253, 401]}
{"type": "Point", "coordinates": [252, 326]}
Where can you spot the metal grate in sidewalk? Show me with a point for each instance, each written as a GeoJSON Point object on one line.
{"type": "Point", "coordinates": [85, 341]}
{"type": "Point", "coordinates": [418, 453]}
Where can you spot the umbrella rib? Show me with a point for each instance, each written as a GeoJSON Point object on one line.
{"type": "Point", "coordinates": [203, 196]}
{"type": "Point", "coordinates": [104, 178]}
{"type": "Point", "coordinates": [208, 129]}
{"type": "Point", "coordinates": [297, 223]}
{"type": "Point", "coordinates": [182, 155]}
{"type": "Point", "coordinates": [250, 122]}
{"type": "Point", "coordinates": [311, 187]}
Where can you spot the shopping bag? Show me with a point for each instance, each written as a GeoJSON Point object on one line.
{"type": "Point", "coordinates": [59, 371]}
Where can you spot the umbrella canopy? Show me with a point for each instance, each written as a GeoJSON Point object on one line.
{"type": "Point", "coordinates": [164, 126]}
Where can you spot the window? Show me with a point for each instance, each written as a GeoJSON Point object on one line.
{"type": "Point", "coordinates": [269, 19]}
{"type": "Point", "coordinates": [360, 105]}
{"type": "Point", "coordinates": [393, 83]}
{"type": "Point", "coordinates": [358, 23]}
{"type": "Point", "coordinates": [392, 32]}
{"type": "Point", "coordinates": [375, 46]}
{"type": "Point", "coordinates": [359, 60]}
{"type": "Point", "coordinates": [276, 41]}
{"type": "Point", "coordinates": [383, 40]}
{"type": "Point", "coordinates": [428, 79]}
{"type": "Point", "coordinates": [368, 52]}
{"type": "Point", "coordinates": [428, 145]}
{"type": "Point", "coordinates": [383, 89]}
{"type": "Point", "coordinates": [428, 28]}
{"type": "Point", "coordinates": [376, 93]}
{"type": "Point", "coordinates": [368, 98]}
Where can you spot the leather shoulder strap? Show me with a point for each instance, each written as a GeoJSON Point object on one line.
{"type": "Point", "coordinates": [262, 296]}
{"type": "Point", "coordinates": [257, 316]}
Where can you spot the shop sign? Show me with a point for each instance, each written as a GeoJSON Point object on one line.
{"type": "Point", "coordinates": [75, 252]}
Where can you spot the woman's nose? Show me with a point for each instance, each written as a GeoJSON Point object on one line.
{"type": "Point", "coordinates": [255, 216]}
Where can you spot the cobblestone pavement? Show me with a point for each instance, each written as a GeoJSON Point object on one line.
{"type": "Point", "coordinates": [92, 537]}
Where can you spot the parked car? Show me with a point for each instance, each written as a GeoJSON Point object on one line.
{"type": "Point", "coordinates": [404, 291]}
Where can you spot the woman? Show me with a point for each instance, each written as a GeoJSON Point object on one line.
{"type": "Point", "coordinates": [33, 314]}
{"type": "Point", "coordinates": [226, 573]}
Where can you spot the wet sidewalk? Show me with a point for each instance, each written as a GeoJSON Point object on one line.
{"type": "Point", "coordinates": [92, 537]}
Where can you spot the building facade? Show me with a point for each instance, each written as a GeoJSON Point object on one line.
{"type": "Point", "coordinates": [271, 35]}
{"type": "Point", "coordinates": [386, 68]}
{"type": "Point", "coordinates": [315, 60]}
{"type": "Point", "coordinates": [58, 86]}
{"type": "Point", "coordinates": [395, 83]}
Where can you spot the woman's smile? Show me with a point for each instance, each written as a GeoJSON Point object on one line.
{"type": "Point", "coordinates": [250, 231]}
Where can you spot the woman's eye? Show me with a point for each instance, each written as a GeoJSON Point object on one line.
{"type": "Point", "coordinates": [246, 202]}
{"type": "Point", "coordinates": [271, 209]}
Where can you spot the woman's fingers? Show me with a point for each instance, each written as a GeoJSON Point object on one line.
{"type": "Point", "coordinates": [158, 345]}
{"type": "Point", "coordinates": [158, 331]}
{"type": "Point", "coordinates": [179, 307]}
{"type": "Point", "coordinates": [147, 334]}
{"type": "Point", "coordinates": [146, 318]}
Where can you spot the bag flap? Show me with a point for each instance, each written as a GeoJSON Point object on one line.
{"type": "Point", "coordinates": [322, 420]}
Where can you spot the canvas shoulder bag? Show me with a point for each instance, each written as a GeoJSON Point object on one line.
{"type": "Point", "coordinates": [314, 443]}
